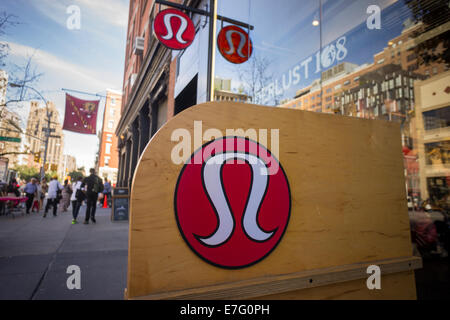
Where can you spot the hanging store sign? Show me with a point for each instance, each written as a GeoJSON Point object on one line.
{"type": "Point", "coordinates": [174, 29]}
{"type": "Point", "coordinates": [231, 209]}
{"type": "Point", "coordinates": [234, 44]}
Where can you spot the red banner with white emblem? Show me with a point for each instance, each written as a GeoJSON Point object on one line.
{"type": "Point", "coordinates": [81, 115]}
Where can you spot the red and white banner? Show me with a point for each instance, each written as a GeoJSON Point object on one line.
{"type": "Point", "coordinates": [81, 115]}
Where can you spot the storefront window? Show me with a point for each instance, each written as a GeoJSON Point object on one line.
{"type": "Point", "coordinates": [374, 56]}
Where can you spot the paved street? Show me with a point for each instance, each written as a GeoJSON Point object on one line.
{"type": "Point", "coordinates": [35, 253]}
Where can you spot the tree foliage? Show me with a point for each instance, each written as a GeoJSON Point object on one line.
{"type": "Point", "coordinates": [74, 175]}
{"type": "Point", "coordinates": [26, 172]}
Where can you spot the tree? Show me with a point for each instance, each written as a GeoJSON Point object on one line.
{"type": "Point", "coordinates": [74, 175]}
{"type": "Point", "coordinates": [26, 173]}
{"type": "Point", "coordinates": [254, 77]}
{"type": "Point", "coordinates": [431, 13]}
{"type": "Point", "coordinates": [6, 21]}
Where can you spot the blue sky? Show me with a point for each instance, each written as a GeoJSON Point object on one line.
{"type": "Point", "coordinates": [90, 59]}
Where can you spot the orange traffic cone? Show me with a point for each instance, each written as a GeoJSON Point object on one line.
{"type": "Point", "coordinates": [105, 201]}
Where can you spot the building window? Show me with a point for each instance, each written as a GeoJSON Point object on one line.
{"type": "Point", "coordinates": [411, 57]}
{"type": "Point", "coordinates": [437, 153]}
{"type": "Point", "coordinates": [346, 82]}
{"type": "Point", "coordinates": [437, 119]}
{"type": "Point", "coordinates": [110, 124]}
{"type": "Point", "coordinates": [108, 148]}
{"type": "Point", "coordinates": [109, 137]}
{"type": "Point", "coordinates": [112, 112]}
{"type": "Point", "coordinates": [107, 161]}
{"type": "Point", "coordinates": [113, 101]}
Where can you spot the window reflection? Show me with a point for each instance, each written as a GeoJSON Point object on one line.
{"type": "Point", "coordinates": [326, 56]}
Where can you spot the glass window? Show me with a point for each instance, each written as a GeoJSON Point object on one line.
{"type": "Point", "coordinates": [296, 58]}
{"type": "Point", "coordinates": [437, 153]}
{"type": "Point", "coordinates": [109, 137]}
{"type": "Point", "coordinates": [435, 119]}
{"type": "Point", "coordinates": [108, 148]}
{"type": "Point", "coordinates": [110, 124]}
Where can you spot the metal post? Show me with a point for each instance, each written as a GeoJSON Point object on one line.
{"type": "Point", "coordinates": [211, 50]}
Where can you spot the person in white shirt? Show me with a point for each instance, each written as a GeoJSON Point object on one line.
{"type": "Point", "coordinates": [76, 199]}
{"type": "Point", "coordinates": [54, 188]}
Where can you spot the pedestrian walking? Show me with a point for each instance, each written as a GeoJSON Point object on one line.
{"type": "Point", "coordinates": [30, 190]}
{"type": "Point", "coordinates": [44, 190]}
{"type": "Point", "coordinates": [94, 186]}
{"type": "Point", "coordinates": [53, 196]}
{"type": "Point", "coordinates": [107, 191]}
{"type": "Point", "coordinates": [77, 198]}
{"type": "Point", "coordinates": [37, 198]}
{"type": "Point", "coordinates": [66, 193]}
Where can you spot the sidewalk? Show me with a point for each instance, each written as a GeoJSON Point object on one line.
{"type": "Point", "coordinates": [35, 253]}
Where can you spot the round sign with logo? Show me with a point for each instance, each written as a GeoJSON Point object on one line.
{"type": "Point", "coordinates": [234, 44]}
{"type": "Point", "coordinates": [232, 202]}
{"type": "Point", "coordinates": [174, 29]}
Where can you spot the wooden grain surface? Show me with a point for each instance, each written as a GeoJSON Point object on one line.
{"type": "Point", "coordinates": [290, 284]}
{"type": "Point", "coordinates": [347, 188]}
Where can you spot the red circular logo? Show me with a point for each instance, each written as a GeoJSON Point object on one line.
{"type": "Point", "coordinates": [174, 29]}
{"type": "Point", "coordinates": [232, 202]}
{"type": "Point", "coordinates": [234, 44]}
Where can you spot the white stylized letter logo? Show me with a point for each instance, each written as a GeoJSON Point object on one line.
{"type": "Point", "coordinates": [242, 40]}
{"type": "Point", "coordinates": [212, 179]}
{"type": "Point", "coordinates": [181, 30]}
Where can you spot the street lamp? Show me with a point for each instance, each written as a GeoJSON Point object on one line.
{"type": "Point", "coordinates": [47, 130]}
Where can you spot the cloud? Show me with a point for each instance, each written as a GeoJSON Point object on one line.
{"type": "Point", "coordinates": [51, 62]}
{"type": "Point", "coordinates": [112, 12]}
{"type": "Point", "coordinates": [61, 73]}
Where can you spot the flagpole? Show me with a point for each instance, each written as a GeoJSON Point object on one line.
{"type": "Point", "coordinates": [82, 92]}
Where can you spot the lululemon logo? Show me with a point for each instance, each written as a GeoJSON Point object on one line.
{"type": "Point", "coordinates": [231, 209]}
{"type": "Point", "coordinates": [174, 29]}
{"type": "Point", "coordinates": [234, 44]}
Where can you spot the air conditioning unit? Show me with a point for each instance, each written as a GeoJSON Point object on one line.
{"type": "Point", "coordinates": [138, 46]}
{"type": "Point", "coordinates": [133, 79]}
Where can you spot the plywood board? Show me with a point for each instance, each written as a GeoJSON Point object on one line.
{"type": "Point", "coordinates": [347, 192]}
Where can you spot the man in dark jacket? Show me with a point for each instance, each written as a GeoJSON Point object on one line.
{"type": "Point", "coordinates": [94, 186]}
